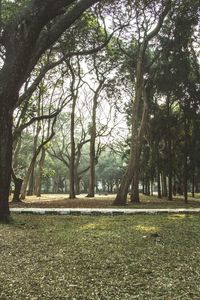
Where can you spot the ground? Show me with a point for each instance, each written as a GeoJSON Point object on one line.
{"type": "Point", "coordinates": [100, 258]}
{"type": "Point", "coordinates": [103, 201]}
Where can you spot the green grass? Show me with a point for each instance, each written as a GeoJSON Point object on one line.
{"type": "Point", "coordinates": [104, 258]}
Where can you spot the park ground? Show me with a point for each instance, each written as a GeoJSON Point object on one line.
{"type": "Point", "coordinates": [146, 257]}
{"type": "Point", "coordinates": [103, 201]}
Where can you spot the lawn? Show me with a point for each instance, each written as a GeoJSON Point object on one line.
{"type": "Point", "coordinates": [100, 258]}
{"type": "Point", "coordinates": [103, 201]}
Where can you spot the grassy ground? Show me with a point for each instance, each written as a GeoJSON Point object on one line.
{"type": "Point", "coordinates": [104, 201]}
{"type": "Point", "coordinates": [100, 258]}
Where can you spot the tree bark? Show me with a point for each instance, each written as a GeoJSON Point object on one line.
{"type": "Point", "coordinates": [158, 171]}
{"type": "Point", "coordinates": [40, 173]}
{"type": "Point", "coordinates": [72, 194]}
{"type": "Point", "coordinates": [31, 184]}
{"type": "Point", "coordinates": [164, 185]}
{"type": "Point", "coordinates": [26, 180]}
{"type": "Point", "coordinates": [169, 150]}
{"type": "Point", "coordinates": [185, 175]}
{"type": "Point", "coordinates": [121, 197]}
{"type": "Point", "coordinates": [5, 159]}
{"type": "Point", "coordinates": [91, 186]}
{"type": "Point", "coordinates": [18, 184]}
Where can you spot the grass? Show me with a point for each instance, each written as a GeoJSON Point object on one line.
{"type": "Point", "coordinates": [102, 201]}
{"type": "Point", "coordinates": [100, 258]}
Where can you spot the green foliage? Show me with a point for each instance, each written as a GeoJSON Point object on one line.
{"type": "Point", "coordinates": [9, 8]}
{"type": "Point", "coordinates": [109, 171]}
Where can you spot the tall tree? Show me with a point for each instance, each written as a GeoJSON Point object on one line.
{"type": "Point", "coordinates": [140, 102]}
{"type": "Point", "coordinates": [24, 39]}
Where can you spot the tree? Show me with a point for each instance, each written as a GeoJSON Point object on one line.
{"type": "Point", "coordinates": [142, 94]}
{"type": "Point", "coordinates": [24, 39]}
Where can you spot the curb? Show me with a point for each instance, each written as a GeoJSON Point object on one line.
{"type": "Point", "coordinates": [103, 211]}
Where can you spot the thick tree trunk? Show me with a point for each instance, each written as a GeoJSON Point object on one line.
{"type": "Point", "coordinates": [137, 129]}
{"type": "Point", "coordinates": [77, 184]}
{"type": "Point", "coordinates": [135, 198]}
{"type": "Point", "coordinates": [121, 197]}
{"type": "Point", "coordinates": [5, 159]}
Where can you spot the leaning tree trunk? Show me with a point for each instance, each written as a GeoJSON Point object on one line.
{"type": "Point", "coordinates": [121, 197]}
{"type": "Point", "coordinates": [5, 159]}
{"type": "Point", "coordinates": [135, 198]}
{"type": "Point", "coordinates": [26, 180]}
{"type": "Point", "coordinates": [27, 177]}
{"type": "Point", "coordinates": [31, 184]}
{"type": "Point", "coordinates": [122, 193]}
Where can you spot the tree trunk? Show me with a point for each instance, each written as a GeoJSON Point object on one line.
{"type": "Point", "coordinates": [169, 150]}
{"type": "Point", "coordinates": [164, 185]}
{"type": "Point", "coordinates": [158, 171]}
{"type": "Point", "coordinates": [135, 198]}
{"type": "Point", "coordinates": [26, 180]}
{"type": "Point", "coordinates": [16, 150]}
{"type": "Point", "coordinates": [91, 187]}
{"type": "Point", "coordinates": [32, 174]}
{"type": "Point", "coordinates": [5, 159]}
{"type": "Point", "coordinates": [151, 187]}
{"type": "Point", "coordinates": [18, 184]}
{"type": "Point", "coordinates": [185, 175]}
{"type": "Point", "coordinates": [121, 197]}
{"type": "Point", "coordinates": [193, 186]}
{"type": "Point", "coordinates": [137, 130]}
{"type": "Point", "coordinates": [72, 194]}
{"type": "Point", "coordinates": [40, 173]}
{"type": "Point", "coordinates": [77, 184]}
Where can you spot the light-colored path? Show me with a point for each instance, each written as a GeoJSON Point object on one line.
{"type": "Point", "coordinates": [103, 211]}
